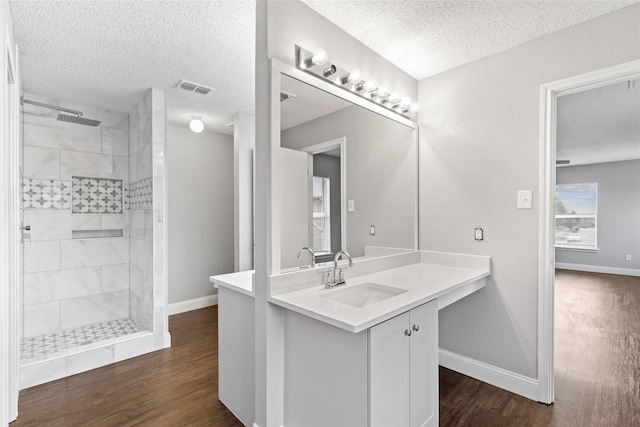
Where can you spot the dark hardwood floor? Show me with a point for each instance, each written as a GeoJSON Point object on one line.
{"type": "Point", "coordinates": [597, 363]}
{"type": "Point", "coordinates": [597, 374]}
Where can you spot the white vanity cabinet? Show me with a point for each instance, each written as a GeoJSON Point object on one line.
{"type": "Point", "coordinates": [384, 376]}
{"type": "Point", "coordinates": [403, 369]}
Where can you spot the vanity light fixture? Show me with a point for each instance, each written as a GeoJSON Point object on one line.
{"type": "Point", "coordinates": [196, 125]}
{"type": "Point", "coordinates": [330, 71]}
{"type": "Point", "coordinates": [313, 63]}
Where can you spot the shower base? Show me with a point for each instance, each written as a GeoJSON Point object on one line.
{"type": "Point", "coordinates": [49, 344]}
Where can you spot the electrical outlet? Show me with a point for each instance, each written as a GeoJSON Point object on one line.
{"type": "Point", "coordinates": [627, 257]}
{"type": "Point", "coordinates": [479, 234]}
{"type": "Point", "coordinates": [372, 230]}
{"type": "Point", "coordinates": [351, 206]}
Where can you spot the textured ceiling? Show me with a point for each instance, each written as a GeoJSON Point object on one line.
{"type": "Point", "coordinates": [425, 38]}
{"type": "Point", "coordinates": [600, 125]}
{"type": "Point", "coordinates": [107, 53]}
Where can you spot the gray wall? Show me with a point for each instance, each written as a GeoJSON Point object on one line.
{"type": "Point", "coordinates": [329, 167]}
{"type": "Point", "coordinates": [381, 174]}
{"type": "Point", "coordinates": [479, 145]}
{"type": "Point", "coordinates": [618, 213]}
{"type": "Point", "coordinates": [200, 210]}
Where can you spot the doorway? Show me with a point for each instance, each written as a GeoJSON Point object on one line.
{"type": "Point", "coordinates": [546, 257]}
{"type": "Point", "coordinates": [327, 204]}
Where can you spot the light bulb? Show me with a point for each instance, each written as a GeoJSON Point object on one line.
{"type": "Point", "coordinates": [196, 125]}
{"type": "Point", "coordinates": [353, 77]}
{"type": "Point", "coordinates": [394, 98]}
{"type": "Point", "coordinates": [320, 57]}
{"type": "Point", "coordinates": [370, 86]}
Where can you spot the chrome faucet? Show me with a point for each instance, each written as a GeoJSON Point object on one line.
{"type": "Point", "coordinates": [312, 257]}
{"type": "Point", "coordinates": [335, 277]}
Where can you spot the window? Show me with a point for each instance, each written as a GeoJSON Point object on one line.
{"type": "Point", "coordinates": [321, 215]}
{"type": "Point", "coordinates": [576, 208]}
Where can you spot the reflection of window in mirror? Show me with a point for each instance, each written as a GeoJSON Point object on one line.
{"type": "Point", "coordinates": [321, 215]}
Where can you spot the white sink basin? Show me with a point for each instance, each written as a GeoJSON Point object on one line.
{"type": "Point", "coordinates": [364, 294]}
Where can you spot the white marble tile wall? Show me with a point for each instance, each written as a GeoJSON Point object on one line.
{"type": "Point", "coordinates": [74, 163]}
{"type": "Point", "coordinates": [94, 308]}
{"type": "Point", "coordinates": [67, 282]}
{"type": "Point", "coordinates": [141, 244]}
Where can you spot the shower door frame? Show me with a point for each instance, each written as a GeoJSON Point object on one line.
{"type": "Point", "coordinates": [11, 248]}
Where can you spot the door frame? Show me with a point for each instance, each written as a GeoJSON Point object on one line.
{"type": "Point", "coordinates": [10, 230]}
{"type": "Point", "coordinates": [549, 93]}
{"type": "Point", "coordinates": [319, 149]}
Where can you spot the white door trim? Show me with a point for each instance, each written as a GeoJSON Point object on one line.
{"type": "Point", "coordinates": [321, 148]}
{"type": "Point", "coordinates": [9, 230]}
{"type": "Point", "coordinates": [549, 94]}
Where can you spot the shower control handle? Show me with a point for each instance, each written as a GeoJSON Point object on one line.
{"type": "Point", "coordinates": [26, 228]}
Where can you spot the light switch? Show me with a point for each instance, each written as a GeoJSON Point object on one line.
{"type": "Point", "coordinates": [351, 206]}
{"type": "Point", "coordinates": [524, 199]}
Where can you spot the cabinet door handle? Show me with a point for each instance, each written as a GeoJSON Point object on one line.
{"type": "Point", "coordinates": [407, 332]}
{"type": "Point", "coordinates": [416, 328]}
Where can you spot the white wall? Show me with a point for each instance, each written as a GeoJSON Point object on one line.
{"type": "Point", "coordinates": [618, 214]}
{"type": "Point", "coordinates": [479, 136]}
{"type": "Point", "coordinates": [200, 197]}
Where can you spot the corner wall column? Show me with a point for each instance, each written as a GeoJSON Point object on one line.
{"type": "Point", "coordinates": [243, 147]}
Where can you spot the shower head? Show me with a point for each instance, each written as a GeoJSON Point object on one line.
{"type": "Point", "coordinates": [78, 120]}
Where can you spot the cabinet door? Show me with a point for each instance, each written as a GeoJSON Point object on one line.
{"type": "Point", "coordinates": [424, 365]}
{"type": "Point", "coordinates": [389, 373]}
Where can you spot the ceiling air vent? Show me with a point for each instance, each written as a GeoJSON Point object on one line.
{"type": "Point", "coordinates": [285, 95]}
{"type": "Point", "coordinates": [194, 87]}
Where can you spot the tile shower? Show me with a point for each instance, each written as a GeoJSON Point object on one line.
{"type": "Point", "coordinates": [93, 289]}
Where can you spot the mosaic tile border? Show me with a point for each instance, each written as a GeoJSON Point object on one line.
{"type": "Point", "coordinates": [45, 194]}
{"type": "Point", "coordinates": [44, 345]}
{"type": "Point", "coordinates": [97, 195]}
{"type": "Point", "coordinates": [141, 194]}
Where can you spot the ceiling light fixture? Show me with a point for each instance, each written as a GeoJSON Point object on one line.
{"type": "Point", "coordinates": [196, 125]}
{"type": "Point", "coordinates": [313, 63]}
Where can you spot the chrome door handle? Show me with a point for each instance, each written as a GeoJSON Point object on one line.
{"type": "Point", "coordinates": [26, 228]}
{"type": "Point", "coordinates": [416, 328]}
{"type": "Point", "coordinates": [407, 332]}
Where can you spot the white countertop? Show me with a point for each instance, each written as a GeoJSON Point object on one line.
{"type": "Point", "coordinates": [241, 281]}
{"type": "Point", "coordinates": [422, 281]}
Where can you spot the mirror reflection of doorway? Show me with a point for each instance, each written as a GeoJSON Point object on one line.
{"type": "Point", "coordinates": [326, 204]}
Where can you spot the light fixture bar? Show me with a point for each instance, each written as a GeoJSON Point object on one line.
{"type": "Point", "coordinates": [317, 64]}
